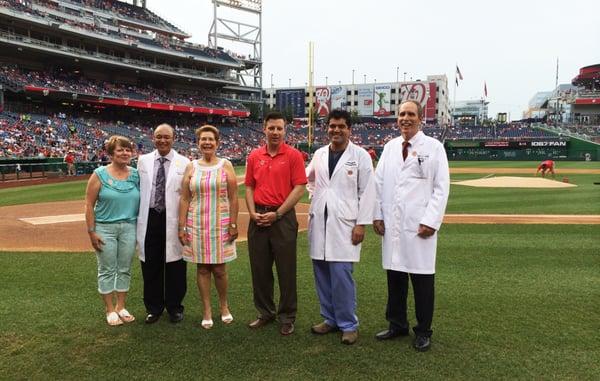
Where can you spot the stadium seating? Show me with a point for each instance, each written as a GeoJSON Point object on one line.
{"type": "Point", "coordinates": [36, 135]}
{"type": "Point", "coordinates": [49, 12]}
{"type": "Point", "coordinates": [63, 81]}
{"type": "Point", "coordinates": [514, 131]}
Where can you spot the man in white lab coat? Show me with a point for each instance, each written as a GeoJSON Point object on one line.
{"type": "Point", "coordinates": [163, 269]}
{"type": "Point", "coordinates": [412, 181]}
{"type": "Point", "coordinates": [342, 189]}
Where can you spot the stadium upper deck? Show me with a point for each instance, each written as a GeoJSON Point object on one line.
{"type": "Point", "coordinates": [103, 52]}
{"type": "Point", "coordinates": [118, 34]}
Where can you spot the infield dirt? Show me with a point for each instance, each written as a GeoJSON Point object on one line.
{"type": "Point", "coordinates": [54, 235]}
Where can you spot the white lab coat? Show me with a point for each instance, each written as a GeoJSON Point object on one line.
{"type": "Point", "coordinates": [350, 199]}
{"type": "Point", "coordinates": [409, 194]}
{"type": "Point", "coordinates": [146, 169]}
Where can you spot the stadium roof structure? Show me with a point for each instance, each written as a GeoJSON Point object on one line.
{"type": "Point", "coordinates": [247, 5]}
{"type": "Point", "coordinates": [589, 76]}
{"type": "Point", "coordinates": [539, 99]}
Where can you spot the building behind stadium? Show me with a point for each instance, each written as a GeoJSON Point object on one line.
{"type": "Point", "coordinates": [367, 100]}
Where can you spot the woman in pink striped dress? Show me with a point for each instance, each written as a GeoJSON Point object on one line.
{"type": "Point", "coordinates": [208, 211]}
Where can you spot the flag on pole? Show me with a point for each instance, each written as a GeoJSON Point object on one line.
{"type": "Point", "coordinates": [484, 89]}
{"type": "Point", "coordinates": [459, 73]}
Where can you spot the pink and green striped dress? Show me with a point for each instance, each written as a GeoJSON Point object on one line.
{"type": "Point", "coordinates": [208, 217]}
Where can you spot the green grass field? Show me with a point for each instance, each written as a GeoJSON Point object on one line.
{"type": "Point", "coordinates": [512, 302]}
{"type": "Point", "coordinates": [584, 199]}
{"type": "Point", "coordinates": [523, 164]}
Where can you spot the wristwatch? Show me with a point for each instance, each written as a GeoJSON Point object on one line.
{"type": "Point", "coordinates": [233, 226]}
{"type": "Point", "coordinates": [278, 215]}
{"type": "Point", "coordinates": [91, 230]}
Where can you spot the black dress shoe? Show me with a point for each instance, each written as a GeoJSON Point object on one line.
{"type": "Point", "coordinates": [422, 343]}
{"type": "Point", "coordinates": [176, 317]}
{"type": "Point", "coordinates": [391, 333]}
{"type": "Point", "coordinates": [152, 318]}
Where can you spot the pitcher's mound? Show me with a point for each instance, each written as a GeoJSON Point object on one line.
{"type": "Point", "coordinates": [514, 182]}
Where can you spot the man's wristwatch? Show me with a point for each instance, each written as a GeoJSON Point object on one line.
{"type": "Point", "coordinates": [91, 230]}
{"type": "Point", "coordinates": [233, 226]}
{"type": "Point", "coordinates": [278, 215]}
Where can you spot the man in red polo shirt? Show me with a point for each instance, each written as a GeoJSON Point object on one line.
{"type": "Point", "coordinates": [275, 181]}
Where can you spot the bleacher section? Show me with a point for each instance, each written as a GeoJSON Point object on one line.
{"type": "Point", "coordinates": [514, 131]}
{"type": "Point", "coordinates": [36, 135]}
{"type": "Point", "coordinates": [79, 84]}
{"type": "Point", "coordinates": [151, 31]}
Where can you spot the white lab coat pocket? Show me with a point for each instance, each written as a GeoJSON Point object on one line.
{"type": "Point", "coordinates": [348, 209]}
{"type": "Point", "coordinates": [351, 171]}
{"type": "Point", "coordinates": [413, 216]}
{"type": "Point", "coordinates": [416, 170]}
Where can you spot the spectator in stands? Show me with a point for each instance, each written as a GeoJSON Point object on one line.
{"type": "Point", "coordinates": [275, 181]}
{"type": "Point", "coordinates": [305, 155]}
{"type": "Point", "coordinates": [70, 160]}
{"type": "Point", "coordinates": [546, 166]}
{"type": "Point", "coordinates": [372, 154]}
{"type": "Point", "coordinates": [111, 209]}
{"type": "Point", "coordinates": [208, 212]}
{"type": "Point", "coordinates": [163, 267]}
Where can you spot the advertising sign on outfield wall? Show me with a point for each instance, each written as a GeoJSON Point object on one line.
{"type": "Point", "coordinates": [422, 92]}
{"type": "Point", "coordinates": [382, 96]}
{"type": "Point", "coordinates": [323, 102]}
{"type": "Point", "coordinates": [365, 100]}
{"type": "Point", "coordinates": [338, 97]}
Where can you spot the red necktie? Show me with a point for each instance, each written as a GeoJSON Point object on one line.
{"type": "Point", "coordinates": [405, 145]}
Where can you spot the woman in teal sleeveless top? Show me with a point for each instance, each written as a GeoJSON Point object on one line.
{"type": "Point", "coordinates": [111, 209]}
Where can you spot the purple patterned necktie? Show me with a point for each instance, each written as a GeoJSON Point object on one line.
{"type": "Point", "coordinates": [159, 193]}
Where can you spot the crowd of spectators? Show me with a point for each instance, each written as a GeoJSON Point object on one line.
{"type": "Point", "coordinates": [50, 136]}
{"type": "Point", "coordinates": [26, 135]}
{"type": "Point", "coordinates": [50, 11]}
{"type": "Point", "coordinates": [589, 132]}
{"type": "Point", "coordinates": [367, 134]}
{"type": "Point", "coordinates": [512, 131]}
{"type": "Point", "coordinates": [76, 83]}
{"type": "Point", "coordinates": [122, 9]}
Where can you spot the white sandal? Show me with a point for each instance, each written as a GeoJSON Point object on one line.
{"type": "Point", "coordinates": [125, 316]}
{"type": "Point", "coordinates": [207, 324]}
{"type": "Point", "coordinates": [227, 319]}
{"type": "Point", "coordinates": [113, 319]}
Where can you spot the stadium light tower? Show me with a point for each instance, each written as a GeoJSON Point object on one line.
{"type": "Point", "coordinates": [247, 32]}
